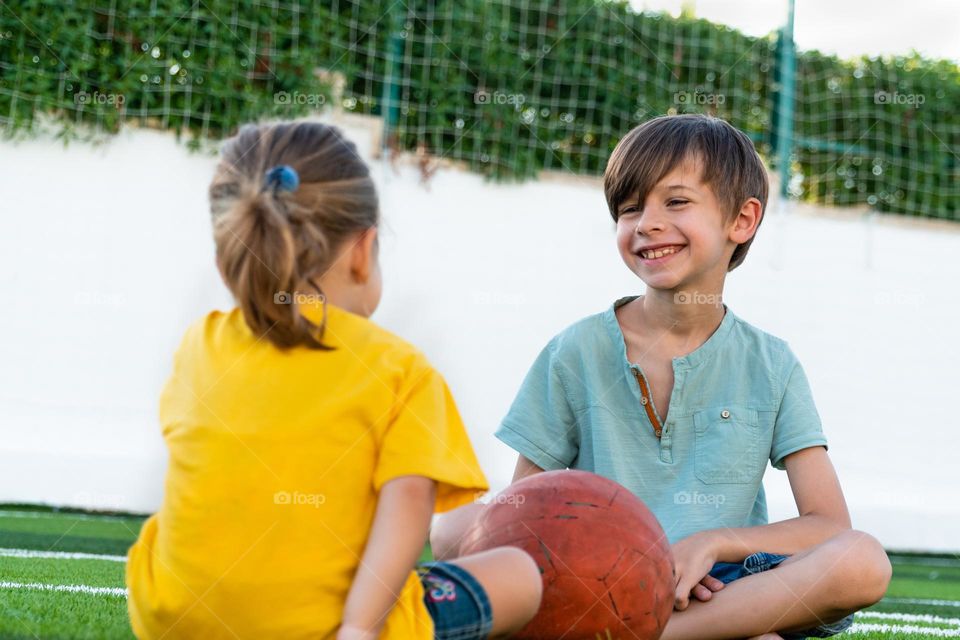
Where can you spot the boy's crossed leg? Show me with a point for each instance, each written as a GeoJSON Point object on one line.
{"type": "Point", "coordinates": [820, 585]}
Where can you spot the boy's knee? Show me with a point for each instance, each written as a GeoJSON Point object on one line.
{"type": "Point", "coordinates": [444, 544]}
{"type": "Point", "coordinates": [879, 570]}
{"type": "Point", "coordinates": [863, 567]}
{"type": "Point", "coordinates": [449, 531]}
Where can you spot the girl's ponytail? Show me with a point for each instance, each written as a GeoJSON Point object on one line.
{"type": "Point", "coordinates": [283, 200]}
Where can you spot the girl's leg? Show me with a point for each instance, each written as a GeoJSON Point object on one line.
{"type": "Point", "coordinates": [823, 584]}
{"type": "Point", "coordinates": [512, 581]}
{"type": "Point", "coordinates": [448, 531]}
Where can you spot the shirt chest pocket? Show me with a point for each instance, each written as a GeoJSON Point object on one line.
{"type": "Point", "coordinates": [727, 445]}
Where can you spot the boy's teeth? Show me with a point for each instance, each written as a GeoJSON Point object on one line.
{"type": "Point", "coordinates": [658, 253]}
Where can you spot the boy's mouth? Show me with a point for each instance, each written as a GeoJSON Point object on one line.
{"type": "Point", "coordinates": [660, 251]}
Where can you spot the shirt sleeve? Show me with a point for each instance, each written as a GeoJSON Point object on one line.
{"type": "Point", "coordinates": [426, 437]}
{"type": "Point", "coordinates": [798, 423]}
{"type": "Point", "coordinates": [540, 424]}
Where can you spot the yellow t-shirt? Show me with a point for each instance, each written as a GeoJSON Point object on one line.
{"type": "Point", "coordinates": [276, 460]}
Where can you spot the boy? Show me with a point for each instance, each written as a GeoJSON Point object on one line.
{"type": "Point", "coordinates": [681, 401]}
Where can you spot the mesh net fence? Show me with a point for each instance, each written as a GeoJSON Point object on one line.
{"type": "Point", "coordinates": [507, 87]}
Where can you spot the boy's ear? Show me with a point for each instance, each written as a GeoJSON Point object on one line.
{"type": "Point", "coordinates": [363, 255]}
{"type": "Point", "coordinates": [747, 221]}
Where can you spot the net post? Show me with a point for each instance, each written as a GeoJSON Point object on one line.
{"type": "Point", "coordinates": [391, 89]}
{"type": "Point", "coordinates": [785, 98]}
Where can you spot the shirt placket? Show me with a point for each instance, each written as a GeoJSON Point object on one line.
{"type": "Point", "coordinates": [661, 431]}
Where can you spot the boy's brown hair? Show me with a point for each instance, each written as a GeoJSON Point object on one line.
{"type": "Point", "coordinates": [729, 161]}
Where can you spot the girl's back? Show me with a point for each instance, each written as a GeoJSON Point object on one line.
{"type": "Point", "coordinates": [275, 463]}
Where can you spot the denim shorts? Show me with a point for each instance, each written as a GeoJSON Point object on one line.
{"type": "Point", "coordinates": [457, 603]}
{"type": "Point", "coordinates": [727, 572]}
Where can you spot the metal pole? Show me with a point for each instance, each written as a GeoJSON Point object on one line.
{"type": "Point", "coordinates": [786, 97]}
{"type": "Point", "coordinates": [391, 89]}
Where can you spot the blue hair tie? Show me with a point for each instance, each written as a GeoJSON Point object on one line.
{"type": "Point", "coordinates": [282, 177]}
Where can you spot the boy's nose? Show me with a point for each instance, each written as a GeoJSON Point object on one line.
{"type": "Point", "coordinates": [649, 221]}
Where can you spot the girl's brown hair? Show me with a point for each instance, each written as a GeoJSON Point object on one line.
{"type": "Point", "coordinates": [270, 240]}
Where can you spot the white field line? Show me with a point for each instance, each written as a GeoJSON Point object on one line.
{"type": "Point", "coordinates": [63, 555]}
{"type": "Point", "coordinates": [932, 603]}
{"type": "Point", "coordinates": [926, 562]}
{"type": "Point", "coordinates": [71, 588]}
{"type": "Point", "coordinates": [862, 628]}
{"type": "Point", "coordinates": [909, 617]}
{"type": "Point", "coordinates": [61, 515]}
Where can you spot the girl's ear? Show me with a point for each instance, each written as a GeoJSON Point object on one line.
{"type": "Point", "coordinates": [363, 255]}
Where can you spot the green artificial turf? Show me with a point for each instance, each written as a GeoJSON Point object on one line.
{"type": "Point", "coordinates": [31, 528]}
{"type": "Point", "coordinates": [36, 613]}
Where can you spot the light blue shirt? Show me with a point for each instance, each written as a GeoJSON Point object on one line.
{"type": "Point", "coordinates": [738, 400]}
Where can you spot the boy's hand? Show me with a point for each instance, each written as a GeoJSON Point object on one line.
{"type": "Point", "coordinates": [693, 558]}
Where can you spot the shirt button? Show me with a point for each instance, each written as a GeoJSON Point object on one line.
{"type": "Point", "coordinates": [724, 414]}
{"type": "Point", "coordinates": [643, 401]}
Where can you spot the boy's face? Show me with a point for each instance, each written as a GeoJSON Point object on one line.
{"type": "Point", "coordinates": [682, 219]}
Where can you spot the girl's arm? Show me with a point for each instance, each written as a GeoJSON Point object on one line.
{"type": "Point", "coordinates": [396, 541]}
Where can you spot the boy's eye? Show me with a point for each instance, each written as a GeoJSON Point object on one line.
{"type": "Point", "coordinates": [676, 202]}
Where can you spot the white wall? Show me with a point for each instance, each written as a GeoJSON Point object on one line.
{"type": "Point", "coordinates": [107, 256]}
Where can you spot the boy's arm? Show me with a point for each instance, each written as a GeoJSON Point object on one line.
{"type": "Point", "coordinates": [820, 502]}
{"type": "Point", "coordinates": [396, 541]}
{"type": "Point", "coordinates": [524, 468]}
{"type": "Point", "coordinates": [451, 528]}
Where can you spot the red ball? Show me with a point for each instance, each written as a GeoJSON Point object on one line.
{"type": "Point", "coordinates": [606, 563]}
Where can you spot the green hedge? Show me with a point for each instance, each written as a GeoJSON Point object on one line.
{"type": "Point", "coordinates": [510, 87]}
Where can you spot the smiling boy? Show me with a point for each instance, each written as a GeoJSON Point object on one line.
{"type": "Point", "coordinates": [677, 398]}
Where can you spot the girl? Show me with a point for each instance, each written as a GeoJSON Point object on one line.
{"type": "Point", "coordinates": [309, 447]}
